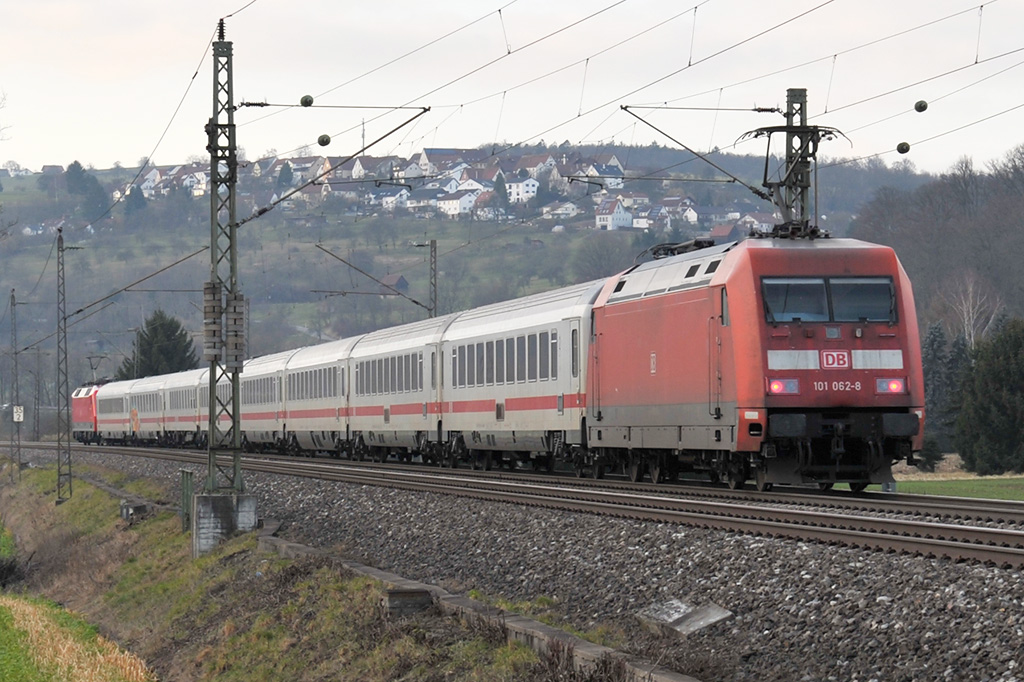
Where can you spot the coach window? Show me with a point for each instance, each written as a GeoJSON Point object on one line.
{"type": "Point", "coordinates": [480, 364]}
{"type": "Point", "coordinates": [531, 356]}
{"type": "Point", "coordinates": [725, 308]}
{"type": "Point", "coordinates": [521, 359]}
{"type": "Point", "coordinates": [545, 358]}
{"type": "Point", "coordinates": [554, 354]}
{"type": "Point", "coordinates": [462, 367]}
{"type": "Point", "coordinates": [471, 365]}
{"type": "Point", "coordinates": [433, 369]}
{"type": "Point", "coordinates": [575, 350]}
{"type": "Point", "coordinates": [510, 361]}
{"type": "Point", "coordinates": [490, 363]}
{"type": "Point", "coordinates": [499, 361]}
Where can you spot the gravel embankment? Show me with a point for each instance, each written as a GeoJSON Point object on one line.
{"type": "Point", "coordinates": [802, 611]}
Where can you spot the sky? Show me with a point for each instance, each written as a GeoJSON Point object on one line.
{"type": "Point", "coordinates": [114, 81]}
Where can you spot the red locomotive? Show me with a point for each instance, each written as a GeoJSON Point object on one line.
{"type": "Point", "coordinates": [782, 360]}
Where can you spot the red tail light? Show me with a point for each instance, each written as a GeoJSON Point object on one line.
{"type": "Point", "coordinates": [891, 386]}
{"type": "Point", "coordinates": [784, 386]}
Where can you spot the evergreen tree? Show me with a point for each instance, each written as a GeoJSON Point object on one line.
{"type": "Point", "coordinates": [134, 202]}
{"type": "Point", "coordinates": [286, 176]}
{"type": "Point", "coordinates": [991, 417]}
{"type": "Point", "coordinates": [501, 191]}
{"type": "Point", "coordinates": [161, 347]}
{"type": "Point", "coordinates": [937, 388]}
{"type": "Point", "coordinates": [75, 178]}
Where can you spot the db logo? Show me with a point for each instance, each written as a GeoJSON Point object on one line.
{"type": "Point", "coordinates": [835, 359]}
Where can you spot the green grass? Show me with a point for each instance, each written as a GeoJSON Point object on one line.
{"type": "Point", "coordinates": [16, 662]}
{"type": "Point", "coordinates": [7, 548]}
{"type": "Point", "coordinates": [992, 488]}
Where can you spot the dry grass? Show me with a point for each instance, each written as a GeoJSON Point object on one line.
{"type": "Point", "coordinates": [951, 468]}
{"type": "Point", "coordinates": [55, 649]}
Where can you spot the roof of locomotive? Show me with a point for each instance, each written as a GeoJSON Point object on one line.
{"type": "Point", "coordinates": [696, 269]}
{"type": "Point", "coordinates": [685, 271]}
{"type": "Point", "coordinates": [538, 309]}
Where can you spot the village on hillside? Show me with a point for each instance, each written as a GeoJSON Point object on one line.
{"type": "Point", "coordinates": [458, 184]}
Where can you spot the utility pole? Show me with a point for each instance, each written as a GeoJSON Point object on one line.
{"type": "Point", "coordinates": [35, 398]}
{"type": "Point", "coordinates": [223, 508]}
{"type": "Point", "coordinates": [433, 278]}
{"type": "Point", "coordinates": [17, 410]}
{"type": "Point", "coordinates": [63, 394]}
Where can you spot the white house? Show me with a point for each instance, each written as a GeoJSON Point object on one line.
{"type": "Point", "coordinates": [612, 215]}
{"type": "Point", "coordinates": [457, 203]}
{"type": "Point", "coordinates": [561, 210]}
{"type": "Point", "coordinates": [521, 191]}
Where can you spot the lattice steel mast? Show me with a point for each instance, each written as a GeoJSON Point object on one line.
{"type": "Point", "coordinates": [223, 303]}
{"type": "Point", "coordinates": [63, 394]}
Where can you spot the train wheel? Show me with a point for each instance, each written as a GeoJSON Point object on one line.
{"type": "Point", "coordinates": [825, 485]}
{"type": "Point", "coordinates": [597, 471]}
{"type": "Point", "coordinates": [858, 487]}
{"type": "Point", "coordinates": [635, 468]}
{"type": "Point", "coordinates": [487, 461]}
{"type": "Point", "coordinates": [761, 481]}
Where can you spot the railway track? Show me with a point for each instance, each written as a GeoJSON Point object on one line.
{"type": "Point", "coordinates": [822, 518]}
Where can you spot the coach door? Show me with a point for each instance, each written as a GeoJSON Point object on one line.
{"type": "Point", "coordinates": [573, 398]}
{"type": "Point", "coordinates": [716, 324]}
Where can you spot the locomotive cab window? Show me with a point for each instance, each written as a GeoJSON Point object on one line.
{"type": "Point", "coordinates": [832, 299]}
{"type": "Point", "coordinates": [862, 298]}
{"type": "Point", "coordinates": [790, 299]}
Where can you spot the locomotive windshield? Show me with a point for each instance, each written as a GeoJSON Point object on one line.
{"type": "Point", "coordinates": [828, 299]}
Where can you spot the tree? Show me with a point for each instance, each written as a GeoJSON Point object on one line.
{"type": "Point", "coordinates": [601, 254]}
{"type": "Point", "coordinates": [991, 416]}
{"type": "Point", "coordinates": [937, 388]}
{"type": "Point", "coordinates": [134, 202]}
{"type": "Point", "coordinates": [285, 176]}
{"type": "Point", "coordinates": [162, 346]}
{"type": "Point", "coordinates": [75, 178]}
{"type": "Point", "coordinates": [501, 191]}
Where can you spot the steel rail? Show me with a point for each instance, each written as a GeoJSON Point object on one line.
{"type": "Point", "coordinates": [958, 542]}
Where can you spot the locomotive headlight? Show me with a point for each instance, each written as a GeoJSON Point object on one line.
{"type": "Point", "coordinates": [891, 386]}
{"type": "Point", "coordinates": [784, 386]}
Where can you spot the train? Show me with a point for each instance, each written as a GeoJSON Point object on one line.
{"type": "Point", "coordinates": [777, 361]}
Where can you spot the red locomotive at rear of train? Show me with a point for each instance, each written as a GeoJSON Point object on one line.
{"type": "Point", "coordinates": [779, 360]}
{"type": "Point", "coordinates": [798, 361]}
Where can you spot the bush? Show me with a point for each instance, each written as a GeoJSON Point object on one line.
{"type": "Point", "coordinates": [931, 455]}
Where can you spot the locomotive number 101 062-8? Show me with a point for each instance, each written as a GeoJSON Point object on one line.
{"type": "Point", "coordinates": [836, 385]}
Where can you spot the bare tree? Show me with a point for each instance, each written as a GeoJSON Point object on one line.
{"type": "Point", "coordinates": [974, 306]}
